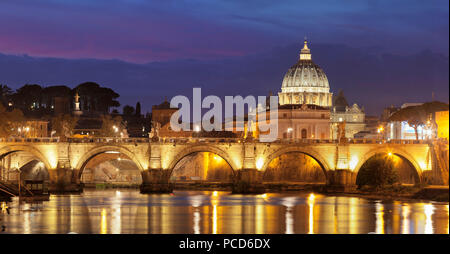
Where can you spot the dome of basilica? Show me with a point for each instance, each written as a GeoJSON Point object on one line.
{"type": "Point", "coordinates": [303, 75]}
{"type": "Point", "coordinates": [305, 83]}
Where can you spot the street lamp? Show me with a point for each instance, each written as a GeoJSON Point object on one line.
{"type": "Point", "coordinates": [380, 131]}
{"type": "Point", "coordinates": [289, 131]}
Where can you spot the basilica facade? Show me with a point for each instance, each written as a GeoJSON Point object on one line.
{"type": "Point", "coordinates": [307, 109]}
{"type": "Point", "coordinates": [304, 101]}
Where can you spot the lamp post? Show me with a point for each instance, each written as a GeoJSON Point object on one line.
{"type": "Point", "coordinates": [380, 131]}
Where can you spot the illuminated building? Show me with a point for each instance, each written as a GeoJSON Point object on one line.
{"type": "Point", "coordinates": [442, 124]}
{"type": "Point", "coordinates": [352, 116]}
{"type": "Point", "coordinates": [305, 101]}
{"type": "Point", "coordinates": [305, 83]}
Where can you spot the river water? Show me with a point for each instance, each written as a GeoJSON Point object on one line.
{"type": "Point", "coordinates": [116, 211]}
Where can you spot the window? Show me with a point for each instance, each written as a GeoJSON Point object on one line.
{"type": "Point", "coordinates": [304, 133]}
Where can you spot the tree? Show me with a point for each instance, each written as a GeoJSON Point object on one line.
{"type": "Point", "coordinates": [415, 116]}
{"type": "Point", "coordinates": [378, 171]}
{"type": "Point", "coordinates": [111, 126]}
{"type": "Point", "coordinates": [96, 98]}
{"type": "Point", "coordinates": [418, 115]}
{"type": "Point", "coordinates": [128, 110]}
{"type": "Point", "coordinates": [28, 97]}
{"type": "Point", "coordinates": [10, 121]}
{"type": "Point", "coordinates": [138, 109]}
{"type": "Point", "coordinates": [5, 94]}
{"type": "Point", "coordinates": [434, 106]}
{"type": "Point", "coordinates": [64, 125]}
{"type": "Point", "coordinates": [50, 92]}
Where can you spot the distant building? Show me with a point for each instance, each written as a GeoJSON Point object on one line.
{"type": "Point", "coordinates": [305, 101]}
{"type": "Point", "coordinates": [34, 128]}
{"type": "Point", "coordinates": [303, 122]}
{"type": "Point", "coordinates": [352, 116]}
{"type": "Point", "coordinates": [402, 130]}
{"type": "Point", "coordinates": [162, 113]}
{"type": "Point", "coordinates": [442, 122]}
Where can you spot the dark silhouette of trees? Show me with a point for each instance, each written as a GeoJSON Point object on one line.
{"type": "Point", "coordinates": [28, 97]}
{"type": "Point", "coordinates": [377, 172]}
{"type": "Point", "coordinates": [9, 121]}
{"type": "Point", "coordinates": [128, 110]}
{"type": "Point", "coordinates": [5, 94]}
{"type": "Point", "coordinates": [94, 98]}
{"type": "Point", "coordinates": [49, 93]}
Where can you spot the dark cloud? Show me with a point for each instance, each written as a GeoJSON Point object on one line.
{"type": "Point", "coordinates": [143, 31]}
{"type": "Point", "coordinates": [368, 77]}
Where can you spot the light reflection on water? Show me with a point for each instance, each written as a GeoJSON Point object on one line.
{"type": "Point", "coordinates": [128, 211]}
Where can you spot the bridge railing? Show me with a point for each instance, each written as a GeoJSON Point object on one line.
{"type": "Point", "coordinates": [107, 140]}
{"type": "Point", "coordinates": [209, 140]}
{"type": "Point", "coordinates": [29, 140]}
{"type": "Point", "coordinates": [200, 140]}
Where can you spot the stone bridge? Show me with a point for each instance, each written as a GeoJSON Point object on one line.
{"type": "Point", "coordinates": [340, 161]}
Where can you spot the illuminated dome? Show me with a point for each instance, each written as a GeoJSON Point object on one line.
{"type": "Point", "coordinates": [305, 83]}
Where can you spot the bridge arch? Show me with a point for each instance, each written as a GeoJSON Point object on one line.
{"type": "Point", "coordinates": [82, 162]}
{"type": "Point", "coordinates": [201, 148]}
{"type": "Point", "coordinates": [395, 151]}
{"type": "Point", "coordinates": [6, 150]}
{"type": "Point", "coordinates": [304, 150]}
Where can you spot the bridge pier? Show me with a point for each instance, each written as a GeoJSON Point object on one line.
{"type": "Point", "coordinates": [156, 181]}
{"type": "Point", "coordinates": [64, 180]}
{"type": "Point", "coordinates": [248, 180]}
{"type": "Point", "coordinates": [341, 179]}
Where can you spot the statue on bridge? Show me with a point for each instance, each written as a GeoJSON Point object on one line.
{"type": "Point", "coordinates": [154, 133]}
{"type": "Point", "coordinates": [341, 132]}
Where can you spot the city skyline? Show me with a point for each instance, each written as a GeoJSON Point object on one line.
{"type": "Point", "coordinates": [375, 62]}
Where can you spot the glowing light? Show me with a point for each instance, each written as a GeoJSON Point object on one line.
{"type": "Point", "coordinates": [259, 163]}
{"type": "Point", "coordinates": [103, 222]}
{"type": "Point", "coordinates": [405, 219]}
{"type": "Point", "coordinates": [379, 216]}
{"type": "Point", "coordinates": [214, 203]}
{"type": "Point", "coordinates": [116, 215]}
{"type": "Point", "coordinates": [217, 158]}
{"type": "Point", "coordinates": [196, 128]}
{"type": "Point", "coordinates": [196, 221]}
{"type": "Point", "coordinates": [389, 154]}
{"type": "Point", "coordinates": [52, 158]}
{"type": "Point", "coordinates": [447, 217]}
{"type": "Point", "coordinates": [353, 162]}
{"type": "Point", "coordinates": [429, 210]}
{"type": "Point", "coordinates": [289, 202]}
{"type": "Point", "coordinates": [423, 165]}
{"type": "Point", "coordinates": [311, 199]}
{"type": "Point", "coordinates": [289, 130]}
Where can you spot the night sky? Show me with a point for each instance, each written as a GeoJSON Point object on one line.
{"type": "Point", "coordinates": [378, 52]}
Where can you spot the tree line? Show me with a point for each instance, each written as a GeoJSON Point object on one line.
{"type": "Point", "coordinates": [33, 100]}
{"type": "Point", "coordinates": [33, 97]}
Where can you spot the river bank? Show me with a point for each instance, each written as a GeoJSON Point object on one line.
{"type": "Point", "coordinates": [393, 192]}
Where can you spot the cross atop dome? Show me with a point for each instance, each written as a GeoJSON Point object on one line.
{"type": "Point", "coordinates": [305, 53]}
